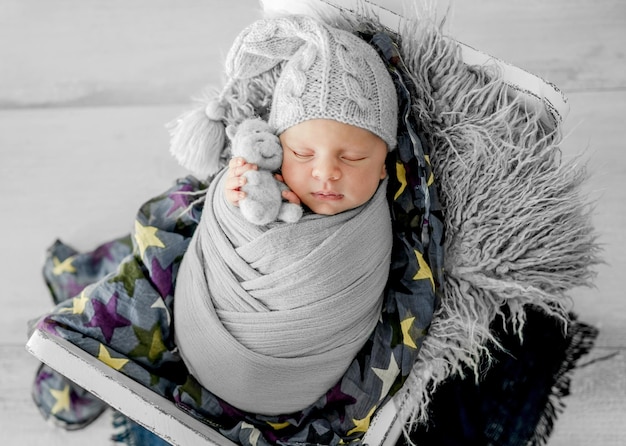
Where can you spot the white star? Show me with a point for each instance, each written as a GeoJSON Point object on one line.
{"type": "Point", "coordinates": [388, 375]}
{"type": "Point", "coordinates": [254, 435]}
{"type": "Point", "coordinates": [160, 303]}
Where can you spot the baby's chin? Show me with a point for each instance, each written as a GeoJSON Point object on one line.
{"type": "Point", "coordinates": [332, 208]}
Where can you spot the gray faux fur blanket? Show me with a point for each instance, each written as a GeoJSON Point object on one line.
{"type": "Point", "coordinates": [518, 225]}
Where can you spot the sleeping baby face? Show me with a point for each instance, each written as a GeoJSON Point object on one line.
{"type": "Point", "coordinates": [332, 167]}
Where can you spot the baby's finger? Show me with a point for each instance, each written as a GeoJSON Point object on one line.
{"type": "Point", "coordinates": [234, 196]}
{"type": "Point", "coordinates": [236, 162]}
{"type": "Point", "coordinates": [239, 166]}
{"type": "Point", "coordinates": [291, 196]}
{"type": "Point", "coordinates": [234, 166]}
{"type": "Point", "coordinates": [234, 183]}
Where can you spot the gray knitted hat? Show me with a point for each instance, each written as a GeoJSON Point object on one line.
{"type": "Point", "coordinates": [290, 70]}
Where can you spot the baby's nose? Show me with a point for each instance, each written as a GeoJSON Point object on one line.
{"type": "Point", "coordinates": [326, 170]}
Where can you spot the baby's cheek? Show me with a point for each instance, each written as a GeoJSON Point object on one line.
{"type": "Point", "coordinates": [290, 174]}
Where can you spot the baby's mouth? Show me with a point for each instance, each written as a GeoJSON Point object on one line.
{"type": "Point", "coordinates": [327, 195]}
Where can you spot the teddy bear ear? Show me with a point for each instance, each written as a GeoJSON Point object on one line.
{"type": "Point", "coordinates": [197, 139]}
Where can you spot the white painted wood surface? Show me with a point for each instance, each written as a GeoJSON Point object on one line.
{"type": "Point", "coordinates": [122, 393]}
{"type": "Point", "coordinates": [86, 87]}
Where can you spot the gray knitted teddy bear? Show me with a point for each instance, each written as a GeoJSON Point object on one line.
{"type": "Point", "coordinates": [254, 140]}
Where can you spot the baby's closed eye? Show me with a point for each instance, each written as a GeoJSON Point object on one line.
{"type": "Point", "coordinates": [353, 157]}
{"type": "Point", "coordinates": [301, 154]}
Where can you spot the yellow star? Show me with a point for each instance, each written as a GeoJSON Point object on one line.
{"type": "Point", "coordinates": [145, 236]}
{"type": "Point", "coordinates": [388, 375]}
{"type": "Point", "coordinates": [78, 303]}
{"type": "Point", "coordinates": [277, 426]}
{"type": "Point", "coordinates": [431, 178]}
{"type": "Point", "coordinates": [63, 267]}
{"type": "Point", "coordinates": [62, 400]}
{"type": "Point", "coordinates": [114, 363]}
{"type": "Point", "coordinates": [407, 339]}
{"type": "Point", "coordinates": [401, 175]}
{"type": "Point", "coordinates": [423, 271]}
{"type": "Point", "coordinates": [363, 424]}
{"type": "Point", "coordinates": [156, 346]}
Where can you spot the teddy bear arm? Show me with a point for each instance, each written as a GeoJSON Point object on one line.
{"type": "Point", "coordinates": [254, 177]}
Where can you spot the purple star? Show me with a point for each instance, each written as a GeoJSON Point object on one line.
{"type": "Point", "coordinates": [162, 278]}
{"type": "Point", "coordinates": [105, 317]}
{"type": "Point", "coordinates": [73, 288]}
{"type": "Point", "coordinates": [83, 403]}
{"type": "Point", "coordinates": [180, 199]}
{"type": "Point", "coordinates": [228, 410]}
{"type": "Point", "coordinates": [336, 396]}
{"type": "Point", "coordinates": [48, 325]}
{"type": "Point", "coordinates": [41, 377]}
{"type": "Point", "coordinates": [102, 252]}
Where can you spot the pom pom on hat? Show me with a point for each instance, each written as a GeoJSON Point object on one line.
{"type": "Point", "coordinates": [198, 137]}
{"type": "Point", "coordinates": [215, 111]}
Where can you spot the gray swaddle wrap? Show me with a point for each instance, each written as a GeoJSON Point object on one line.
{"type": "Point", "coordinates": [269, 318]}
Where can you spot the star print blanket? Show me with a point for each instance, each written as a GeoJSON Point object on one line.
{"type": "Point", "coordinates": [124, 318]}
{"type": "Point", "coordinates": [464, 139]}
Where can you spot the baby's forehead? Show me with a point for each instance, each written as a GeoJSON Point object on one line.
{"type": "Point", "coordinates": [332, 135]}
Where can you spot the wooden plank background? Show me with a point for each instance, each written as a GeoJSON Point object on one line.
{"type": "Point", "coordinates": [87, 86]}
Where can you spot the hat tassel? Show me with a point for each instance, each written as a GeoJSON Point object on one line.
{"type": "Point", "coordinates": [197, 139]}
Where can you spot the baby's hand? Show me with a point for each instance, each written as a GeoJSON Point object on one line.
{"type": "Point", "coordinates": [287, 193]}
{"type": "Point", "coordinates": [235, 180]}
